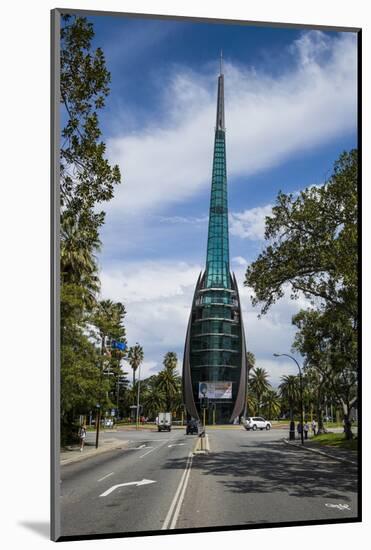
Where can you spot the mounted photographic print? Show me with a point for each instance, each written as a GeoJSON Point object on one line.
{"type": "Point", "coordinates": [205, 198]}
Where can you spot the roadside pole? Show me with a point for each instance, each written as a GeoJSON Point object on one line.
{"type": "Point", "coordinates": [97, 427]}
{"type": "Point", "coordinates": [137, 415]}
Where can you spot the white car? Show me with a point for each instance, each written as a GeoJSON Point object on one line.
{"type": "Point", "coordinates": [256, 422]}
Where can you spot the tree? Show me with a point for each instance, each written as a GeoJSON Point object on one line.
{"type": "Point", "coordinates": [313, 250]}
{"type": "Point", "coordinates": [86, 181]}
{"type": "Point", "coordinates": [313, 244]}
{"type": "Point", "coordinates": [328, 342]}
{"type": "Point", "coordinates": [250, 364]}
{"type": "Point", "coordinates": [272, 404]}
{"type": "Point", "coordinates": [154, 399]}
{"type": "Point", "coordinates": [259, 384]}
{"type": "Point", "coordinates": [169, 382]}
{"type": "Point", "coordinates": [135, 358]}
{"type": "Point", "coordinates": [290, 391]}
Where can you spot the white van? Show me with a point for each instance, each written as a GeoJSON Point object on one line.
{"type": "Point", "coordinates": [163, 422]}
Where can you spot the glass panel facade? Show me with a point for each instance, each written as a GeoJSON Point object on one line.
{"type": "Point", "coordinates": [217, 257]}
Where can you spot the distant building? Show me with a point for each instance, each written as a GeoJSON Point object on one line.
{"type": "Point", "coordinates": [214, 363]}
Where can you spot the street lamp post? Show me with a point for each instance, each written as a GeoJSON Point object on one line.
{"type": "Point", "coordinates": [203, 390]}
{"type": "Point", "coordinates": [301, 392]}
{"type": "Point", "coordinates": [137, 416]}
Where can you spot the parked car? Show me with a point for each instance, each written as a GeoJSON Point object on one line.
{"type": "Point", "coordinates": [192, 427]}
{"type": "Point", "coordinates": [108, 423]}
{"type": "Point", "coordinates": [256, 422]}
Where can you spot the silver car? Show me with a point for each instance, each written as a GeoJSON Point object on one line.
{"type": "Point", "coordinates": [256, 422]}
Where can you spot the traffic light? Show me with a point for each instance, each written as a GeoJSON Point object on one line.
{"type": "Point", "coordinates": [204, 402]}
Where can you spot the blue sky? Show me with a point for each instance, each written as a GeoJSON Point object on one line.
{"type": "Point", "coordinates": [290, 111]}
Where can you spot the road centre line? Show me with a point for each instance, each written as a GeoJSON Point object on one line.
{"type": "Point", "coordinates": [181, 498]}
{"type": "Point", "coordinates": [177, 493]}
{"type": "Point", "coordinates": [105, 477]}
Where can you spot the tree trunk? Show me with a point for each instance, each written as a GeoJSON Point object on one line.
{"type": "Point", "coordinates": [347, 423]}
{"type": "Point", "coordinates": [321, 427]}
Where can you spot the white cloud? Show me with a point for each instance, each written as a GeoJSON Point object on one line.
{"type": "Point", "coordinates": [249, 224]}
{"type": "Point", "coordinates": [239, 260]}
{"type": "Point", "coordinates": [268, 119]}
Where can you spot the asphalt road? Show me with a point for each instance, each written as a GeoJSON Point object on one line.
{"type": "Point", "coordinates": [129, 508]}
{"type": "Point", "coordinates": [254, 478]}
{"type": "Point", "coordinates": [247, 478]}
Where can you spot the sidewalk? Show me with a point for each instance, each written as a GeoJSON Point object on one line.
{"type": "Point", "coordinates": [71, 454]}
{"type": "Point", "coordinates": [342, 455]}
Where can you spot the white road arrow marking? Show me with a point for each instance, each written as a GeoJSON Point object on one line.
{"type": "Point", "coordinates": [137, 483]}
{"type": "Point", "coordinates": [176, 445]}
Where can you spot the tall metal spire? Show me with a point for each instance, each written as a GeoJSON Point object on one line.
{"type": "Point", "coordinates": [220, 123]}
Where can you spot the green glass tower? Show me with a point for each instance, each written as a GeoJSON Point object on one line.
{"type": "Point", "coordinates": [214, 363]}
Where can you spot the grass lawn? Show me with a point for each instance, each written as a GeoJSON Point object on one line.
{"type": "Point", "coordinates": [335, 440]}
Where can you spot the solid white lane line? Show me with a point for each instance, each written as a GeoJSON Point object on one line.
{"type": "Point", "coordinates": [181, 498]}
{"type": "Point", "coordinates": [105, 477]}
{"type": "Point", "coordinates": [177, 492]}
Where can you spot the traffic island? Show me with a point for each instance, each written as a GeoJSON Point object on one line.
{"type": "Point", "coordinates": [202, 445]}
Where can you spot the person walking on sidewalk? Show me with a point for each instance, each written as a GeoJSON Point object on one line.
{"type": "Point", "coordinates": [306, 430]}
{"type": "Point", "coordinates": [82, 436]}
{"type": "Point", "coordinates": [299, 428]}
{"type": "Point", "coordinates": [314, 426]}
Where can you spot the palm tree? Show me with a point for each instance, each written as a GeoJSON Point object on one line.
{"type": "Point", "coordinates": [135, 358]}
{"type": "Point", "coordinates": [250, 364]}
{"type": "Point", "coordinates": [272, 404]}
{"type": "Point", "coordinates": [78, 263]}
{"type": "Point", "coordinates": [290, 390]}
{"type": "Point", "coordinates": [169, 381]}
{"type": "Point", "coordinates": [251, 405]}
{"type": "Point", "coordinates": [259, 384]}
{"type": "Point", "coordinates": [154, 401]}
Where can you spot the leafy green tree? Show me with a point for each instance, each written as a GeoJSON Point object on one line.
{"type": "Point", "coordinates": [312, 244]}
{"type": "Point", "coordinates": [328, 342]}
{"type": "Point", "coordinates": [313, 250]}
{"type": "Point", "coordinates": [259, 384]}
{"type": "Point", "coordinates": [86, 181]}
{"type": "Point", "coordinates": [135, 358]}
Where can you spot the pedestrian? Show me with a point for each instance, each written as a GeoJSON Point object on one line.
{"type": "Point", "coordinates": [82, 436]}
{"type": "Point", "coordinates": [306, 430]}
{"type": "Point", "coordinates": [314, 426]}
{"type": "Point", "coordinates": [299, 428]}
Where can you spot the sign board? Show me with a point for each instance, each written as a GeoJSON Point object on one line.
{"type": "Point", "coordinates": [215, 390]}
